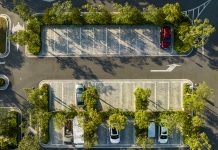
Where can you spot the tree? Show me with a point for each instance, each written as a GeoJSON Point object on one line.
{"type": "Point", "coordinates": [117, 121]}
{"type": "Point", "coordinates": [153, 15]}
{"type": "Point", "coordinates": [29, 142]}
{"type": "Point", "coordinates": [23, 11]}
{"type": "Point", "coordinates": [97, 15]}
{"type": "Point", "coordinates": [90, 120]}
{"type": "Point", "coordinates": [172, 120]}
{"type": "Point", "coordinates": [90, 97]}
{"type": "Point", "coordinates": [172, 12]}
{"type": "Point", "coordinates": [197, 122]}
{"type": "Point", "coordinates": [141, 119]}
{"type": "Point", "coordinates": [127, 15]}
{"type": "Point", "coordinates": [143, 141]}
{"type": "Point", "coordinates": [196, 101]}
{"type": "Point", "coordinates": [201, 31]}
{"type": "Point", "coordinates": [198, 142]}
{"type": "Point", "coordinates": [142, 96]}
{"type": "Point", "coordinates": [62, 13]}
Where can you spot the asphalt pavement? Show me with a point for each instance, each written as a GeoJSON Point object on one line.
{"type": "Point", "coordinates": [26, 72]}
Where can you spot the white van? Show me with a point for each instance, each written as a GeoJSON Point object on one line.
{"type": "Point", "coordinates": [151, 130]}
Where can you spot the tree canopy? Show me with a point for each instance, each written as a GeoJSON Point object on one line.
{"type": "Point", "coordinates": [117, 121]}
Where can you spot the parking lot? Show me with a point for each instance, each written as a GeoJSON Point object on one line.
{"type": "Point", "coordinates": [165, 95]}
{"type": "Point", "coordinates": [102, 40]}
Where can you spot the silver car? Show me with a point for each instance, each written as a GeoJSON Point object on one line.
{"type": "Point", "coordinates": [163, 135]}
{"type": "Point", "coordinates": [79, 92]}
{"type": "Point", "coordinates": [114, 136]}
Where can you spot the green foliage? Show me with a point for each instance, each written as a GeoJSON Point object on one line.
{"type": "Point", "coordinates": [198, 142]}
{"type": "Point", "coordinates": [30, 36]}
{"type": "Point", "coordinates": [172, 120]}
{"type": "Point", "coordinates": [144, 141]}
{"type": "Point", "coordinates": [38, 98]}
{"type": "Point", "coordinates": [182, 38]}
{"type": "Point", "coordinates": [196, 101]}
{"type": "Point", "coordinates": [127, 15]}
{"type": "Point", "coordinates": [97, 15]}
{"type": "Point", "coordinates": [186, 89]}
{"type": "Point", "coordinates": [172, 12]}
{"type": "Point", "coordinates": [23, 11]}
{"type": "Point", "coordinates": [90, 97]}
{"type": "Point", "coordinates": [3, 30]}
{"type": "Point", "coordinates": [90, 120]}
{"type": "Point", "coordinates": [8, 129]}
{"type": "Point", "coordinates": [62, 13]}
{"type": "Point", "coordinates": [197, 122]}
{"type": "Point", "coordinates": [153, 15]}
{"type": "Point", "coordinates": [117, 121]}
{"type": "Point", "coordinates": [142, 96]}
{"type": "Point", "coordinates": [29, 142]}
{"type": "Point", "coordinates": [2, 82]}
{"type": "Point", "coordinates": [200, 32]}
{"type": "Point", "coordinates": [141, 119]}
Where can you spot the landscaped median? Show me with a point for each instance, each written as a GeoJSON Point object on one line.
{"type": "Point", "coordinates": [9, 128]}
{"type": "Point", "coordinates": [3, 35]}
{"type": "Point", "coordinates": [186, 34]}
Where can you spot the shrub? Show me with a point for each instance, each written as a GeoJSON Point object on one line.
{"type": "Point", "coordinates": [117, 121]}
{"type": "Point", "coordinates": [141, 119]}
{"type": "Point", "coordinates": [2, 82]}
{"type": "Point", "coordinates": [127, 15]}
{"type": "Point", "coordinates": [90, 97]}
{"type": "Point", "coordinates": [144, 141]}
{"type": "Point", "coordinates": [153, 15]}
{"type": "Point", "coordinates": [142, 96]}
{"type": "Point", "coordinates": [97, 15]}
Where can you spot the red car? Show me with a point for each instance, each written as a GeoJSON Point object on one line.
{"type": "Point", "coordinates": [165, 37]}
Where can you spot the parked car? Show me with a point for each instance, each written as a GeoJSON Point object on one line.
{"type": "Point", "coordinates": [79, 92]}
{"type": "Point", "coordinates": [114, 136]}
{"type": "Point", "coordinates": [163, 135]}
{"type": "Point", "coordinates": [151, 129]}
{"type": "Point", "coordinates": [165, 37]}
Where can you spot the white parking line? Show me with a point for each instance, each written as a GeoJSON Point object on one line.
{"type": "Point", "coordinates": [62, 95]}
{"type": "Point", "coordinates": [181, 99]}
{"type": "Point", "coordinates": [2, 63]}
{"type": "Point", "coordinates": [155, 94]}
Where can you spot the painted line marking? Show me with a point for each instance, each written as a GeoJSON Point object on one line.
{"type": "Point", "coordinates": [169, 69]}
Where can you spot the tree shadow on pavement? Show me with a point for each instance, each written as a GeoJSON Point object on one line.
{"type": "Point", "coordinates": [16, 57]}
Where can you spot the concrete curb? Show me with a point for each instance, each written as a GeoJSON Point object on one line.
{"type": "Point", "coordinates": [8, 43]}
{"type": "Point", "coordinates": [6, 82]}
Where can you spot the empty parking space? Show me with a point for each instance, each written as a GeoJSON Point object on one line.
{"type": "Point", "coordinates": [162, 95]}
{"type": "Point", "coordinates": [97, 40]}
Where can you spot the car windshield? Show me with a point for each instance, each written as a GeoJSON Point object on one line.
{"type": "Point", "coordinates": [114, 131]}
{"type": "Point", "coordinates": [163, 137]}
{"type": "Point", "coordinates": [79, 90]}
{"type": "Point", "coordinates": [167, 40]}
{"type": "Point", "coordinates": [114, 136]}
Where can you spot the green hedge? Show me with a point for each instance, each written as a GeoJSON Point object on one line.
{"type": "Point", "coordinates": [3, 30]}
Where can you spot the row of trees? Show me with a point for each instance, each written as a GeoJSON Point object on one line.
{"type": "Point", "coordinates": [186, 35]}
{"type": "Point", "coordinates": [37, 117]}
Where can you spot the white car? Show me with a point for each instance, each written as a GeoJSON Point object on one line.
{"type": "Point", "coordinates": [79, 92]}
{"type": "Point", "coordinates": [163, 135]}
{"type": "Point", "coordinates": [114, 136]}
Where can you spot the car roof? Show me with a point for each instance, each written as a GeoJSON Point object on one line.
{"type": "Point", "coordinates": [79, 86]}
